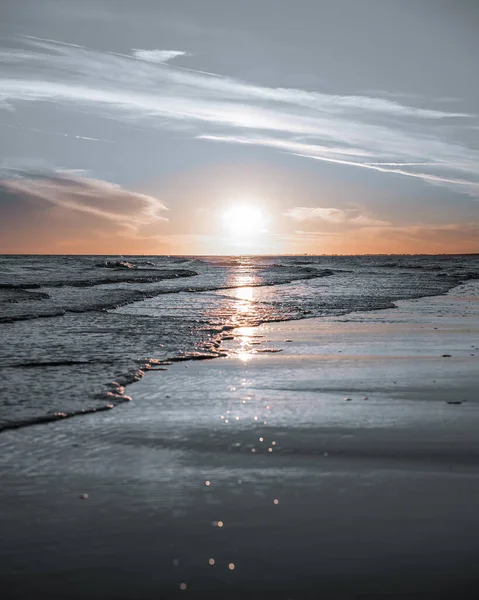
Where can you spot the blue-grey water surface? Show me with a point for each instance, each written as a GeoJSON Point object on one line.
{"type": "Point", "coordinates": [75, 329]}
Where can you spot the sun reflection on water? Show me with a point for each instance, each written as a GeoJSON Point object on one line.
{"type": "Point", "coordinates": [247, 343]}
{"type": "Point", "coordinates": [242, 415]}
{"type": "Point", "coordinates": [243, 283]}
{"type": "Point", "coordinates": [246, 297]}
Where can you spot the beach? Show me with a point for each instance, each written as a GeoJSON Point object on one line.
{"type": "Point", "coordinates": [332, 458]}
{"type": "Point", "coordinates": [239, 300]}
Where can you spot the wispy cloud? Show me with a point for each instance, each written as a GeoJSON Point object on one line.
{"type": "Point", "coordinates": [56, 133]}
{"type": "Point", "coordinates": [374, 133]}
{"type": "Point", "coordinates": [102, 199]}
{"type": "Point", "coordinates": [467, 186]}
{"type": "Point", "coordinates": [158, 56]}
{"type": "Point", "coordinates": [64, 211]}
{"type": "Point", "coordinates": [349, 157]}
{"type": "Point", "coordinates": [334, 216]}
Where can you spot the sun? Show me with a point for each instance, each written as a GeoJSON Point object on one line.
{"type": "Point", "coordinates": [244, 220]}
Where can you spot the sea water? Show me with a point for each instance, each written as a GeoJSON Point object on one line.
{"type": "Point", "coordinates": [75, 330]}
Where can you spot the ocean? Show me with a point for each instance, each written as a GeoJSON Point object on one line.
{"type": "Point", "coordinates": [75, 330]}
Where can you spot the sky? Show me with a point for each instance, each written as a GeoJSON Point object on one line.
{"type": "Point", "coordinates": [227, 127]}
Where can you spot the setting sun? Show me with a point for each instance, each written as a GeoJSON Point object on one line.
{"type": "Point", "coordinates": [244, 220]}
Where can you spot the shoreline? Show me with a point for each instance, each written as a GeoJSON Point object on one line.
{"type": "Point", "coordinates": [114, 395]}
{"type": "Point", "coordinates": [375, 496]}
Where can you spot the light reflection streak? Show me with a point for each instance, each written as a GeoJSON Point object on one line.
{"type": "Point", "coordinates": [244, 312]}
{"type": "Point", "coordinates": [244, 294]}
{"type": "Point", "coordinates": [245, 337]}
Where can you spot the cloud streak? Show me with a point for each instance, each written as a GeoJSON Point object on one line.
{"type": "Point", "coordinates": [56, 133]}
{"type": "Point", "coordinates": [157, 56]}
{"type": "Point", "coordinates": [334, 216]}
{"type": "Point", "coordinates": [373, 133]}
{"type": "Point", "coordinates": [101, 199]}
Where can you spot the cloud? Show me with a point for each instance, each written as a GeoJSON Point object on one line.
{"type": "Point", "coordinates": [462, 185]}
{"type": "Point", "coordinates": [71, 194]}
{"type": "Point", "coordinates": [334, 216]}
{"type": "Point", "coordinates": [6, 106]}
{"type": "Point", "coordinates": [157, 56]}
{"type": "Point", "coordinates": [339, 156]}
{"type": "Point", "coordinates": [292, 146]}
{"type": "Point", "coordinates": [373, 133]}
{"type": "Point", "coordinates": [56, 133]}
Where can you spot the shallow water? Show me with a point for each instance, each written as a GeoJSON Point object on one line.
{"type": "Point", "coordinates": [372, 496]}
{"type": "Point", "coordinates": [76, 329]}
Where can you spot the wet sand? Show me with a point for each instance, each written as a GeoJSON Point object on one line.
{"type": "Point", "coordinates": [271, 462]}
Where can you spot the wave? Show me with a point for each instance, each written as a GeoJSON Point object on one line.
{"type": "Point", "coordinates": [47, 363]}
{"type": "Point", "coordinates": [60, 370]}
{"type": "Point", "coordinates": [145, 265]}
{"type": "Point", "coordinates": [14, 295]}
{"type": "Point", "coordinates": [31, 316]}
{"type": "Point", "coordinates": [393, 265]}
{"type": "Point", "coordinates": [460, 277]}
{"type": "Point", "coordinates": [116, 298]}
{"type": "Point", "coordinates": [58, 416]}
{"type": "Point", "coordinates": [152, 276]}
{"type": "Point", "coordinates": [115, 392]}
{"type": "Point", "coordinates": [118, 264]}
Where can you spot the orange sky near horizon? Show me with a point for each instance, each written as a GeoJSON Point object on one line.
{"type": "Point", "coordinates": [227, 210]}
{"type": "Point", "coordinates": [385, 241]}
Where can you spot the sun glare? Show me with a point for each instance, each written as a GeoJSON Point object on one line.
{"type": "Point", "coordinates": [244, 220]}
